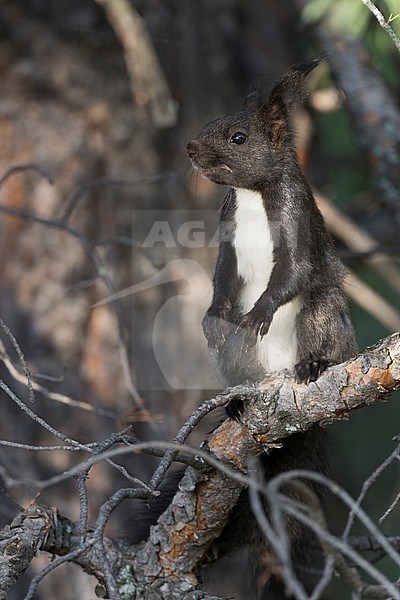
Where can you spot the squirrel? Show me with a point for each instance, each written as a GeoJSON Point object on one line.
{"type": "Point", "coordinates": [278, 282]}
{"type": "Point", "coordinates": [278, 301]}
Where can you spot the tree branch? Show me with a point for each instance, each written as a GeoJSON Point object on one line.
{"type": "Point", "coordinates": [148, 83]}
{"type": "Point", "coordinates": [382, 22]}
{"type": "Point", "coordinates": [279, 407]}
{"type": "Point", "coordinates": [165, 565]}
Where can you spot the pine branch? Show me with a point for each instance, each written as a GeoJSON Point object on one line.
{"type": "Point", "coordinates": [165, 565]}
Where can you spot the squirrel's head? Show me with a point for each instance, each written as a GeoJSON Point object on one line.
{"type": "Point", "coordinates": [250, 147]}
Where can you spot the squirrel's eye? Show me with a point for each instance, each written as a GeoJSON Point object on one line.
{"type": "Point", "coordinates": [238, 138]}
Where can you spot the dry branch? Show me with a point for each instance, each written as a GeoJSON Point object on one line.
{"type": "Point", "coordinates": [372, 302]}
{"type": "Point", "coordinates": [357, 239]}
{"type": "Point", "coordinates": [148, 83]}
{"type": "Point", "coordinates": [279, 407]}
{"type": "Point", "coordinates": [19, 543]}
{"type": "Point", "coordinates": [165, 565]}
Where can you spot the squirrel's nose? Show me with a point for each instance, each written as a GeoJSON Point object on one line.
{"type": "Point", "coordinates": [192, 148]}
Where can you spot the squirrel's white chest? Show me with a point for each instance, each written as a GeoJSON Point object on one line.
{"type": "Point", "coordinates": [254, 250]}
{"type": "Point", "coordinates": [253, 246]}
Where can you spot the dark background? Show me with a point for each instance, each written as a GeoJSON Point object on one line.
{"type": "Point", "coordinates": [68, 105]}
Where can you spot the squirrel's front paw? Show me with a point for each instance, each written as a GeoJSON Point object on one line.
{"type": "Point", "coordinates": [256, 322]}
{"type": "Point", "coordinates": [216, 329]}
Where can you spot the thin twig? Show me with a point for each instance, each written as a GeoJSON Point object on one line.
{"type": "Point", "coordinates": [23, 168]}
{"type": "Point", "coordinates": [21, 357]}
{"type": "Point", "coordinates": [39, 420]}
{"type": "Point", "coordinates": [372, 302]}
{"type": "Point", "coordinates": [30, 447]}
{"type": "Point", "coordinates": [382, 22]}
{"type": "Point", "coordinates": [366, 486]}
{"type": "Point", "coordinates": [390, 509]}
{"type": "Point", "coordinates": [104, 514]}
{"type": "Point", "coordinates": [281, 502]}
{"type": "Point", "coordinates": [101, 271]}
{"type": "Point", "coordinates": [183, 434]}
{"type": "Point", "coordinates": [146, 492]}
{"type": "Point", "coordinates": [55, 396]}
{"type": "Point", "coordinates": [118, 181]}
{"type": "Point", "coordinates": [357, 239]}
{"type": "Point", "coordinates": [88, 448]}
{"type": "Point", "coordinates": [69, 557]}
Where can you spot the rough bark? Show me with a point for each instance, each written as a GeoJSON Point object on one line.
{"type": "Point", "coordinates": [165, 566]}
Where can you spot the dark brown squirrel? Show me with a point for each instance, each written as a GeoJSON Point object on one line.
{"type": "Point", "coordinates": [278, 301]}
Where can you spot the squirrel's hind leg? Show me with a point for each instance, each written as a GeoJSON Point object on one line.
{"type": "Point", "coordinates": [325, 334]}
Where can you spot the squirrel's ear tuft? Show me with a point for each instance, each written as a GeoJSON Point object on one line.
{"type": "Point", "coordinates": [289, 91]}
{"type": "Point", "coordinates": [253, 101]}
{"type": "Point", "coordinates": [292, 87]}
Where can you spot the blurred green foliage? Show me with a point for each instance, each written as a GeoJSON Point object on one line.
{"type": "Point", "coordinates": [354, 19]}
{"type": "Point", "coordinates": [351, 16]}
